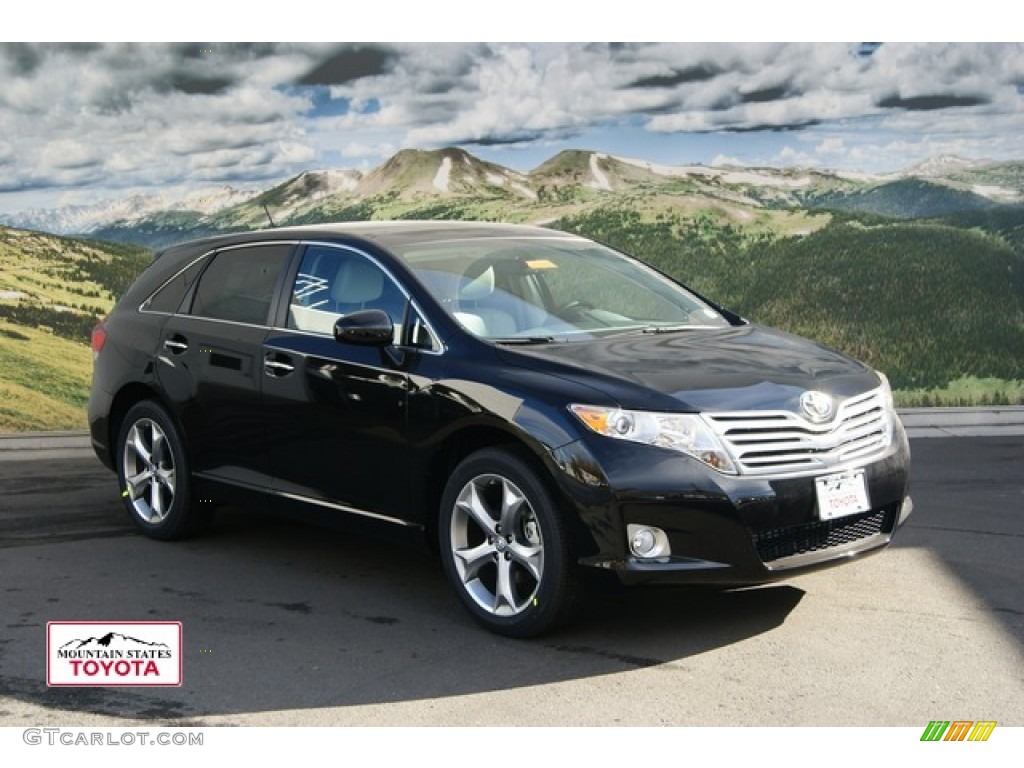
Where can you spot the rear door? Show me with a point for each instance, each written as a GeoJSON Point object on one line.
{"type": "Point", "coordinates": [210, 361]}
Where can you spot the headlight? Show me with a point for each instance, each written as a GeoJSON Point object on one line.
{"type": "Point", "coordinates": [683, 432]}
{"type": "Point", "coordinates": [886, 391]}
{"type": "Point", "coordinates": [888, 403]}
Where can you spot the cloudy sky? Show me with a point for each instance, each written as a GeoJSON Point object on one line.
{"type": "Point", "coordinates": [82, 122]}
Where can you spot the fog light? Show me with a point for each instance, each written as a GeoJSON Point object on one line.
{"type": "Point", "coordinates": [646, 541]}
{"type": "Point", "coordinates": [643, 542]}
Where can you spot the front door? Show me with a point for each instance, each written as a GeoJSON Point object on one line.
{"type": "Point", "coordinates": [335, 414]}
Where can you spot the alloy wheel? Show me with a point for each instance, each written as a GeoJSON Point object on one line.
{"type": "Point", "coordinates": [149, 471]}
{"type": "Point", "coordinates": [497, 545]}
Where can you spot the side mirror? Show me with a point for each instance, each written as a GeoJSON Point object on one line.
{"type": "Point", "coordinates": [365, 328]}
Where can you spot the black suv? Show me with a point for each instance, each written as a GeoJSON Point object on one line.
{"type": "Point", "coordinates": [532, 401]}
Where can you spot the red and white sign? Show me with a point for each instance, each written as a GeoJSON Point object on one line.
{"type": "Point", "coordinates": [113, 653]}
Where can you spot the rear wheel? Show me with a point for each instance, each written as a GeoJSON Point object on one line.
{"type": "Point", "coordinates": [504, 545]}
{"type": "Point", "coordinates": [154, 475]}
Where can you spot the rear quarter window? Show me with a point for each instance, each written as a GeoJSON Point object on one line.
{"type": "Point", "coordinates": [169, 298]}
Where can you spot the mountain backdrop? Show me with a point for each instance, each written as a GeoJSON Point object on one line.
{"type": "Point", "coordinates": [420, 184]}
{"type": "Point", "coordinates": [920, 273]}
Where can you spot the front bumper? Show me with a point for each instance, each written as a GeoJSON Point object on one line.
{"type": "Point", "coordinates": [723, 529]}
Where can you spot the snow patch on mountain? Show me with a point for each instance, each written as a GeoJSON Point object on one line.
{"type": "Point", "coordinates": [667, 170]}
{"type": "Point", "coordinates": [861, 176]}
{"type": "Point", "coordinates": [997, 193]}
{"type": "Point", "coordinates": [83, 219]}
{"type": "Point", "coordinates": [600, 179]}
{"type": "Point", "coordinates": [443, 172]}
{"type": "Point", "coordinates": [211, 199]}
{"type": "Point", "coordinates": [943, 165]}
{"type": "Point", "coordinates": [755, 179]}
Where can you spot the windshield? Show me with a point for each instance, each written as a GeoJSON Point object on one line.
{"type": "Point", "coordinates": [558, 288]}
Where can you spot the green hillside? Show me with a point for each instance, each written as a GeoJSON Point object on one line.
{"type": "Point", "coordinates": [905, 199]}
{"type": "Point", "coordinates": [53, 290]}
{"type": "Point", "coordinates": [45, 381]}
{"type": "Point", "coordinates": [926, 303]}
{"type": "Point", "coordinates": [1007, 222]}
{"type": "Point", "coordinates": [936, 301]}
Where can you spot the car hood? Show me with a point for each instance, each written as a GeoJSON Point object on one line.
{"type": "Point", "coordinates": [740, 368]}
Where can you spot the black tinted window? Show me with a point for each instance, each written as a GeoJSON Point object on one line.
{"type": "Point", "coordinates": [239, 284]}
{"type": "Point", "coordinates": [168, 299]}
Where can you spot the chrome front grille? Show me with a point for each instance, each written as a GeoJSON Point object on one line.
{"type": "Point", "coordinates": [781, 442]}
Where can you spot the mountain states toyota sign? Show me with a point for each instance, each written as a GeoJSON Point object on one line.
{"type": "Point", "coordinates": [129, 653]}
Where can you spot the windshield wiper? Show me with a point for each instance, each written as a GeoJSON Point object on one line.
{"type": "Point", "coordinates": [666, 328]}
{"type": "Point", "coordinates": [521, 339]}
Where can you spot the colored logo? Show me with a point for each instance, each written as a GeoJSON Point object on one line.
{"type": "Point", "coordinates": [81, 653]}
{"type": "Point", "coordinates": [958, 730]}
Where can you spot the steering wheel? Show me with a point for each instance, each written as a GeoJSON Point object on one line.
{"type": "Point", "coordinates": [574, 307]}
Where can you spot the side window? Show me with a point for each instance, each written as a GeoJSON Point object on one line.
{"type": "Point", "coordinates": [168, 299]}
{"type": "Point", "coordinates": [333, 282]}
{"type": "Point", "coordinates": [239, 284]}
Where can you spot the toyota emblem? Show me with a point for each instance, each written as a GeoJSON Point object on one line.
{"type": "Point", "coordinates": [816, 405]}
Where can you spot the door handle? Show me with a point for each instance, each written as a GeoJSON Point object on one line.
{"type": "Point", "coordinates": [176, 344]}
{"type": "Point", "coordinates": [276, 365]}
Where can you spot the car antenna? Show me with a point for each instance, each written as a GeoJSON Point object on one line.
{"type": "Point", "coordinates": [271, 218]}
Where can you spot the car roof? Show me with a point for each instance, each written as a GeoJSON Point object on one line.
{"type": "Point", "coordinates": [388, 234]}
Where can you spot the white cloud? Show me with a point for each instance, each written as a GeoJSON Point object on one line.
{"type": "Point", "coordinates": [295, 152]}
{"type": "Point", "coordinates": [831, 146]}
{"type": "Point", "coordinates": [720, 161]}
{"type": "Point", "coordinates": [121, 115]}
{"type": "Point", "coordinates": [789, 156]}
{"type": "Point", "coordinates": [357, 149]}
{"type": "Point", "coordinates": [63, 154]}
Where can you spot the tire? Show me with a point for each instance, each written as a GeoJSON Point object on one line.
{"type": "Point", "coordinates": [505, 546]}
{"type": "Point", "coordinates": [153, 472]}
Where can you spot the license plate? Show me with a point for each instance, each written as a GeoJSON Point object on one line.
{"type": "Point", "coordinates": [841, 495]}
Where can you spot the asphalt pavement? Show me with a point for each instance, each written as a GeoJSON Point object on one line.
{"type": "Point", "coordinates": [289, 624]}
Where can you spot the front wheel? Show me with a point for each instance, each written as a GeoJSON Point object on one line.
{"type": "Point", "coordinates": [153, 471]}
{"type": "Point", "coordinates": [505, 546]}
